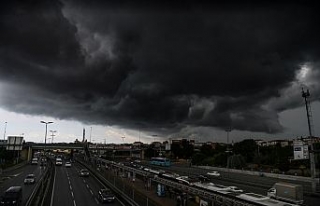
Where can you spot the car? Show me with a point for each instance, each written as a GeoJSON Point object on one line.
{"type": "Point", "coordinates": [234, 189]}
{"type": "Point", "coordinates": [43, 162]}
{"type": "Point", "coordinates": [12, 196]}
{"type": "Point", "coordinates": [187, 180]}
{"type": "Point", "coordinates": [34, 161]}
{"type": "Point", "coordinates": [84, 173]}
{"type": "Point", "coordinates": [203, 178]}
{"type": "Point", "coordinates": [214, 173]}
{"type": "Point", "coordinates": [58, 161]}
{"type": "Point", "coordinates": [67, 164]}
{"type": "Point", "coordinates": [106, 195]}
{"type": "Point", "coordinates": [30, 179]}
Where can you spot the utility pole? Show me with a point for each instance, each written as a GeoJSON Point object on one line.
{"type": "Point", "coordinates": [228, 130]}
{"type": "Point", "coordinates": [5, 131]}
{"type": "Point", "coordinates": [45, 136]}
{"type": "Point", "coordinates": [52, 135]}
{"type": "Point", "coordinates": [306, 96]}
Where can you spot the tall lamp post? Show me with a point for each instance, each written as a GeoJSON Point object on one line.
{"type": "Point", "coordinates": [45, 137]}
{"type": "Point", "coordinates": [228, 130]}
{"type": "Point", "coordinates": [5, 130]}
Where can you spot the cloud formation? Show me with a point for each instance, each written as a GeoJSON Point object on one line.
{"type": "Point", "coordinates": [159, 65]}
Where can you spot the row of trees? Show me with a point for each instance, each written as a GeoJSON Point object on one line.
{"type": "Point", "coordinates": [241, 155]}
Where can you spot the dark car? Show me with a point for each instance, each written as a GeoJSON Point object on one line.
{"type": "Point", "coordinates": [204, 178]}
{"type": "Point", "coordinates": [43, 162]}
{"type": "Point", "coordinates": [84, 173]}
{"type": "Point", "coordinates": [106, 195]}
{"type": "Point", "coordinates": [12, 196]}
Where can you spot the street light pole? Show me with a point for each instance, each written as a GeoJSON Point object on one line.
{"type": "Point", "coordinates": [5, 130]}
{"type": "Point", "coordinates": [45, 137]}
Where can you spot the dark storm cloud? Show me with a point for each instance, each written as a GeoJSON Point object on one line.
{"type": "Point", "coordinates": [158, 64]}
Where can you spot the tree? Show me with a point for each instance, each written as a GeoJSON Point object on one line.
{"type": "Point", "coordinates": [198, 158]}
{"type": "Point", "coordinates": [247, 148]}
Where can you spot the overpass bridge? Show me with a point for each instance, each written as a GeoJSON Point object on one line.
{"type": "Point", "coordinates": [115, 152]}
{"type": "Point", "coordinates": [51, 146]}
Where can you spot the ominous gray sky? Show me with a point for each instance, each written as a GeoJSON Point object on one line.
{"type": "Point", "coordinates": [159, 66]}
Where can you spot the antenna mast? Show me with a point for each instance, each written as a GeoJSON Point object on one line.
{"type": "Point", "coordinates": [306, 96]}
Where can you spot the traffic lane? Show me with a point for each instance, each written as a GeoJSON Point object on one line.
{"type": "Point", "coordinates": [249, 183]}
{"type": "Point", "coordinates": [29, 188]}
{"type": "Point", "coordinates": [92, 184]}
{"type": "Point", "coordinates": [62, 189]}
{"type": "Point", "coordinates": [83, 194]}
{"type": "Point", "coordinates": [16, 178]}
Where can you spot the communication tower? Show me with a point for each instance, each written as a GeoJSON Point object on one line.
{"type": "Point", "coordinates": [306, 96]}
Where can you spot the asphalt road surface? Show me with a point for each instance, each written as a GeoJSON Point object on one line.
{"type": "Point", "coordinates": [71, 189]}
{"type": "Point", "coordinates": [16, 178]}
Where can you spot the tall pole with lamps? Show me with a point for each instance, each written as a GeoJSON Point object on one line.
{"type": "Point", "coordinates": [5, 130]}
{"type": "Point", "coordinates": [45, 137]}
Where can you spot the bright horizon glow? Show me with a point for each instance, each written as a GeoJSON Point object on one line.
{"type": "Point", "coordinates": [33, 130]}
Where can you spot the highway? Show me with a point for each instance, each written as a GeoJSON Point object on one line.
{"type": "Point", "coordinates": [71, 189]}
{"type": "Point", "coordinates": [249, 183]}
{"type": "Point", "coordinates": [16, 177]}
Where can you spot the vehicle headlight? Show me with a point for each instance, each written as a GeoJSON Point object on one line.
{"type": "Point", "coordinates": [14, 202]}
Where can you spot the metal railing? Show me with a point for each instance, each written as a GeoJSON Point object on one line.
{"type": "Point", "coordinates": [41, 195]}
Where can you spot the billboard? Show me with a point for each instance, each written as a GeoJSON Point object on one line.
{"type": "Point", "coordinates": [300, 150]}
{"type": "Point", "coordinates": [14, 143]}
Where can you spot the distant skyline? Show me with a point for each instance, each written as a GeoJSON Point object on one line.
{"type": "Point", "coordinates": [174, 70]}
{"type": "Point", "coordinates": [68, 131]}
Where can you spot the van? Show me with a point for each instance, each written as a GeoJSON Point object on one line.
{"type": "Point", "coordinates": [12, 196]}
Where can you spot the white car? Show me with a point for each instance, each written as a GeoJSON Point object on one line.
{"type": "Point", "coordinates": [234, 189]}
{"type": "Point", "coordinates": [187, 180]}
{"type": "Point", "coordinates": [30, 179]}
{"type": "Point", "coordinates": [67, 164]}
{"type": "Point", "coordinates": [214, 173]}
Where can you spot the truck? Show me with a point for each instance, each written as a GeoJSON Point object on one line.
{"type": "Point", "coordinates": [288, 192]}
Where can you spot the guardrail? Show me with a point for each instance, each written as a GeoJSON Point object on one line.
{"type": "Point", "coordinates": [215, 197]}
{"type": "Point", "coordinates": [40, 195]}
{"type": "Point", "coordinates": [108, 184]}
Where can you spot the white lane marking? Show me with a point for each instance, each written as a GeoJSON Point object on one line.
{"type": "Point", "coordinates": [91, 191]}
{"type": "Point", "coordinates": [74, 203]}
{"type": "Point", "coordinates": [72, 194]}
{"type": "Point", "coordinates": [15, 175]}
{"type": "Point", "coordinates": [96, 200]}
{"type": "Point", "coordinates": [54, 183]}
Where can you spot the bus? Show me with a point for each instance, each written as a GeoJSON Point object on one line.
{"type": "Point", "coordinates": [160, 161]}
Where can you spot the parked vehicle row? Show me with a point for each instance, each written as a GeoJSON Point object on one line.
{"type": "Point", "coordinates": [206, 182]}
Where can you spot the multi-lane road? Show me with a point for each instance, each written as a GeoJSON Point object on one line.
{"type": "Point", "coordinates": [16, 177]}
{"type": "Point", "coordinates": [71, 189]}
{"type": "Point", "coordinates": [68, 187]}
{"type": "Point", "coordinates": [249, 183]}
